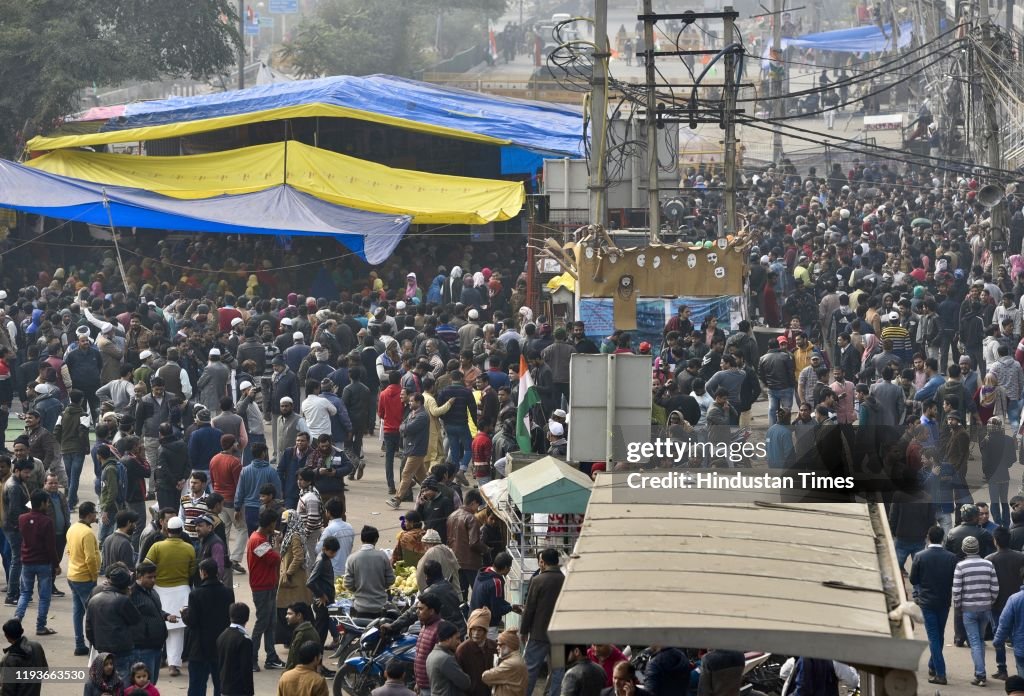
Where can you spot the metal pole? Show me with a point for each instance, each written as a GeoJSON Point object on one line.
{"type": "Point", "coordinates": [778, 105]}
{"type": "Point", "coordinates": [728, 117]}
{"type": "Point", "coordinates": [653, 204]}
{"type": "Point", "coordinates": [993, 155]}
{"type": "Point", "coordinates": [599, 117]}
{"type": "Point", "coordinates": [609, 422]}
{"type": "Point", "coordinates": [241, 44]}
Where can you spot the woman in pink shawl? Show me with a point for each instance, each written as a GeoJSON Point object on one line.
{"type": "Point", "coordinates": [871, 346]}
{"type": "Point", "coordinates": [412, 288]}
{"type": "Point", "coordinates": [1016, 266]}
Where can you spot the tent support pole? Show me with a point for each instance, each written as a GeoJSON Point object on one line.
{"type": "Point", "coordinates": [117, 247]}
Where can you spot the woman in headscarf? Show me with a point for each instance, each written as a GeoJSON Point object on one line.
{"type": "Point", "coordinates": [496, 300]}
{"type": "Point", "coordinates": [292, 585]}
{"type": "Point", "coordinates": [436, 291]}
{"type": "Point", "coordinates": [871, 349]}
{"type": "Point", "coordinates": [412, 289]}
{"type": "Point", "coordinates": [990, 399]}
{"type": "Point", "coordinates": [103, 678]}
{"type": "Point", "coordinates": [452, 287]}
{"type": "Point", "coordinates": [479, 280]}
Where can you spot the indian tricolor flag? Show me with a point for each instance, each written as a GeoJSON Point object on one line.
{"type": "Point", "coordinates": [528, 397]}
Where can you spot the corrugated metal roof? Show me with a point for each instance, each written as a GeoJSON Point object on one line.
{"type": "Point", "coordinates": [549, 485]}
{"type": "Point", "coordinates": [802, 579]}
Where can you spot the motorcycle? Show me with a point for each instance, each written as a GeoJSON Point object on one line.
{"type": "Point", "coordinates": [362, 673]}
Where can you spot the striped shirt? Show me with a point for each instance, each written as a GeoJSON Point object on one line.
{"type": "Point", "coordinates": [975, 584]}
{"type": "Point", "coordinates": [190, 509]}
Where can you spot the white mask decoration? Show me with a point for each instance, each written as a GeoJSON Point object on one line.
{"type": "Point", "coordinates": [720, 272]}
{"type": "Point", "coordinates": [691, 260]}
{"type": "Point", "coordinates": [713, 259]}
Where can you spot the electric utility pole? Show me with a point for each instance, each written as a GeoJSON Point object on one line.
{"type": "Point", "coordinates": [653, 203]}
{"type": "Point", "coordinates": [729, 124]}
{"type": "Point", "coordinates": [599, 118]}
{"type": "Point", "coordinates": [778, 103]}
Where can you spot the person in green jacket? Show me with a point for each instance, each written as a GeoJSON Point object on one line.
{"type": "Point", "coordinates": [300, 617]}
{"type": "Point", "coordinates": [73, 438]}
{"type": "Point", "coordinates": [108, 490]}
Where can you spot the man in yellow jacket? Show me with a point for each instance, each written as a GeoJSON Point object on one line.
{"type": "Point", "coordinates": [83, 568]}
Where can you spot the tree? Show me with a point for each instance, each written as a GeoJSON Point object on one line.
{"type": "Point", "coordinates": [353, 37]}
{"type": "Point", "coordinates": [52, 49]}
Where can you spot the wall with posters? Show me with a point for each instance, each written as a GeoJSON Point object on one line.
{"type": "Point", "coordinates": [598, 314]}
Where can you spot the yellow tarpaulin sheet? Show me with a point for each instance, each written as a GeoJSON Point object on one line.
{"type": "Point", "coordinates": [177, 130]}
{"type": "Point", "coordinates": [336, 178]}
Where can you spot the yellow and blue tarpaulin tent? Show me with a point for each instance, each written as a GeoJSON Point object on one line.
{"type": "Point", "coordinates": [332, 177]}
{"type": "Point", "coordinates": [277, 210]}
{"type": "Point", "coordinates": [549, 129]}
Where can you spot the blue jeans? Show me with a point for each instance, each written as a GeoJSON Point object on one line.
{"type": "Point", "coordinates": [14, 574]}
{"type": "Point", "coordinates": [5, 553]}
{"type": "Point", "coordinates": [392, 441]}
{"type": "Point", "coordinates": [123, 663]}
{"type": "Point", "coordinates": [80, 592]}
{"type": "Point", "coordinates": [106, 528]}
{"type": "Point", "coordinates": [1013, 408]}
{"type": "Point", "coordinates": [252, 518]}
{"type": "Point", "coordinates": [1000, 650]}
{"type": "Point", "coordinates": [29, 574]}
{"type": "Point", "coordinates": [905, 549]}
{"type": "Point", "coordinates": [778, 398]}
{"type": "Point", "coordinates": [459, 445]}
{"type": "Point", "coordinates": [975, 623]}
{"type": "Point", "coordinates": [73, 463]}
{"type": "Point", "coordinates": [998, 495]}
{"type": "Point", "coordinates": [150, 657]}
{"type": "Point", "coordinates": [935, 627]}
{"type": "Point", "coordinates": [536, 654]}
{"type": "Point", "coordinates": [199, 671]}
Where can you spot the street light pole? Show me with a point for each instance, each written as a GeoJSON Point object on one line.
{"type": "Point", "coordinates": [241, 44]}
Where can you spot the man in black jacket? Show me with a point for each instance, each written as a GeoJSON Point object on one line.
{"type": "Point", "coordinates": [206, 618]}
{"type": "Point", "coordinates": [22, 653]}
{"type": "Point", "coordinates": [234, 654]}
{"type": "Point", "coordinates": [446, 593]}
{"type": "Point", "coordinates": [931, 574]}
{"type": "Point", "coordinates": [172, 467]}
{"type": "Point", "coordinates": [969, 527]}
{"type": "Point", "coordinates": [151, 632]}
{"type": "Point", "coordinates": [154, 410]}
{"type": "Point", "coordinates": [321, 584]}
{"type": "Point", "coordinates": [911, 515]}
{"type": "Point", "coordinates": [545, 587]}
{"type": "Point", "coordinates": [111, 617]}
{"type": "Point", "coordinates": [1008, 564]}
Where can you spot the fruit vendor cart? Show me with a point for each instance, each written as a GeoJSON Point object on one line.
{"type": "Point", "coordinates": [543, 509]}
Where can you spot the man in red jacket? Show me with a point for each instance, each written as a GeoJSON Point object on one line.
{"type": "Point", "coordinates": [38, 559]}
{"type": "Point", "coordinates": [428, 611]}
{"type": "Point", "coordinates": [390, 409]}
{"type": "Point", "coordinates": [225, 472]}
{"type": "Point", "coordinates": [264, 560]}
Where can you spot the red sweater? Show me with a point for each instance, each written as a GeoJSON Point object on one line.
{"type": "Point", "coordinates": [424, 644]}
{"type": "Point", "coordinates": [390, 408]}
{"type": "Point", "coordinates": [225, 470]}
{"type": "Point", "coordinates": [263, 570]}
{"type": "Point", "coordinates": [38, 541]}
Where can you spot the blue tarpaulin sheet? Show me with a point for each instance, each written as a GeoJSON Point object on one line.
{"type": "Point", "coordinates": [279, 211]}
{"type": "Point", "coordinates": [541, 127]}
{"type": "Point", "coordinates": [868, 39]}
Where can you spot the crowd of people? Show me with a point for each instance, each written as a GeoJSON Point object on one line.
{"type": "Point", "coordinates": [224, 432]}
{"type": "Point", "coordinates": [226, 414]}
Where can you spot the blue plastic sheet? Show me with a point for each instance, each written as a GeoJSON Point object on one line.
{"type": "Point", "coordinates": [855, 40]}
{"type": "Point", "coordinates": [547, 128]}
{"type": "Point", "coordinates": [278, 211]}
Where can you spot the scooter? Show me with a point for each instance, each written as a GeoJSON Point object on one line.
{"type": "Point", "coordinates": [362, 673]}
